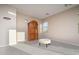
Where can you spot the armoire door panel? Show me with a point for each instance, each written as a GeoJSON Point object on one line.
{"type": "Point", "coordinates": [32, 30]}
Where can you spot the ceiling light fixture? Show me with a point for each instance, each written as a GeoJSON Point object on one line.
{"type": "Point", "coordinates": [11, 13]}
{"type": "Point", "coordinates": [26, 19]}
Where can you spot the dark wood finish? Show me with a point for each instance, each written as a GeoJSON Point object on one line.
{"type": "Point", "coordinates": [32, 30]}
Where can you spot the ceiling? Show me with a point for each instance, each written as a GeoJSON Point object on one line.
{"type": "Point", "coordinates": [41, 10]}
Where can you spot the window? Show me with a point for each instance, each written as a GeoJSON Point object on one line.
{"type": "Point", "coordinates": [45, 26]}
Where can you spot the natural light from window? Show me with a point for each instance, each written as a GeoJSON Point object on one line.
{"type": "Point", "coordinates": [45, 26]}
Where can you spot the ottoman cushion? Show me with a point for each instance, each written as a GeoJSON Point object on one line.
{"type": "Point", "coordinates": [45, 41]}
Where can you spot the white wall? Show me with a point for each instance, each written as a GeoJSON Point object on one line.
{"type": "Point", "coordinates": [5, 25]}
{"type": "Point", "coordinates": [63, 27]}
{"type": "Point", "coordinates": [20, 22]}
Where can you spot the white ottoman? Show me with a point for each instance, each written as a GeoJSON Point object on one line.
{"type": "Point", "coordinates": [44, 41]}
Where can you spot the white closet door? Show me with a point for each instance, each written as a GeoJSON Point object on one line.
{"type": "Point", "coordinates": [20, 36]}
{"type": "Point", "coordinates": [12, 37]}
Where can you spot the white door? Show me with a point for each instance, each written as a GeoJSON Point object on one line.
{"type": "Point", "coordinates": [20, 36]}
{"type": "Point", "coordinates": [12, 37]}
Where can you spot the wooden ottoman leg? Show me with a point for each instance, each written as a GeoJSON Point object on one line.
{"type": "Point", "coordinates": [39, 44]}
{"type": "Point", "coordinates": [46, 45]}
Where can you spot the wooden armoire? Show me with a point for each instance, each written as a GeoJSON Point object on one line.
{"type": "Point", "coordinates": [33, 30]}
